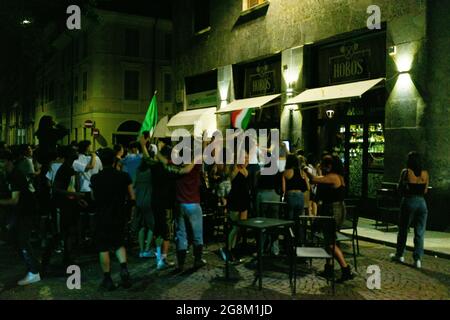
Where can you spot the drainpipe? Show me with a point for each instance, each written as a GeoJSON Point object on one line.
{"type": "Point", "coordinates": [153, 86]}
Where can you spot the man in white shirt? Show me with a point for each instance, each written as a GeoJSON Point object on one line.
{"type": "Point", "coordinates": [87, 165]}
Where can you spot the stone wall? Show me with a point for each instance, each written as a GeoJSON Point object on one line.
{"type": "Point", "coordinates": [436, 119]}
{"type": "Point", "coordinates": [417, 112]}
{"type": "Point", "coordinates": [287, 24]}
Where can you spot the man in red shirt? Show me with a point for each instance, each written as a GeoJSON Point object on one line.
{"type": "Point", "coordinates": [188, 197]}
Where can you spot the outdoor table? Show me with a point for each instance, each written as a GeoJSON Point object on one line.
{"type": "Point", "coordinates": [260, 225]}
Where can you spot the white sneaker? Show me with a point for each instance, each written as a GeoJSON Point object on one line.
{"type": "Point", "coordinates": [29, 279]}
{"type": "Point", "coordinates": [418, 264]}
{"type": "Point", "coordinates": [148, 254]}
{"type": "Point", "coordinates": [394, 257]}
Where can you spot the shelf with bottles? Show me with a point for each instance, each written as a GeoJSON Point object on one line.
{"type": "Point", "coordinates": [376, 139]}
{"type": "Point", "coordinates": [376, 148]}
{"type": "Point", "coordinates": [376, 128]}
{"type": "Point", "coordinates": [357, 128]}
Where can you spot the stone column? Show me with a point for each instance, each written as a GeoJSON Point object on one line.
{"type": "Point", "coordinates": [292, 84]}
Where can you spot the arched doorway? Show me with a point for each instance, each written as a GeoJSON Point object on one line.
{"type": "Point", "coordinates": [126, 132]}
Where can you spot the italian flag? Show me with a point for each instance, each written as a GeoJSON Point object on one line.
{"type": "Point", "coordinates": [241, 118]}
{"type": "Point", "coordinates": [151, 118]}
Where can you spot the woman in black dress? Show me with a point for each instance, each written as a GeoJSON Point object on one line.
{"type": "Point", "coordinates": [238, 200]}
{"type": "Point", "coordinates": [331, 194]}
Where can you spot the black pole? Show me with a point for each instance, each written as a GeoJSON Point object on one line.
{"type": "Point", "coordinates": [153, 86]}
{"type": "Point", "coordinates": [72, 86]}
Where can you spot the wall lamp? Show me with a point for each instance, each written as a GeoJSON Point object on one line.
{"type": "Point", "coordinates": [392, 50]}
{"type": "Point", "coordinates": [330, 113]}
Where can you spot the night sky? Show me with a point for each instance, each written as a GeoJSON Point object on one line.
{"type": "Point", "coordinates": [22, 45]}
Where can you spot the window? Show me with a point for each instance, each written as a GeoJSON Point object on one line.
{"type": "Point", "coordinates": [75, 89]}
{"type": "Point", "coordinates": [248, 4]}
{"type": "Point", "coordinates": [201, 16]}
{"type": "Point", "coordinates": [167, 87]}
{"type": "Point", "coordinates": [61, 95]}
{"type": "Point", "coordinates": [85, 45]}
{"type": "Point", "coordinates": [42, 95]}
{"type": "Point", "coordinates": [168, 46]}
{"type": "Point", "coordinates": [132, 42]}
{"type": "Point", "coordinates": [51, 92]}
{"type": "Point", "coordinates": [85, 86]}
{"type": "Point", "coordinates": [131, 85]}
{"type": "Point", "coordinates": [76, 50]}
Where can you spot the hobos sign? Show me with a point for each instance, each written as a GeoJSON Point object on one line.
{"type": "Point", "coordinates": [351, 64]}
{"type": "Point", "coordinates": [262, 79]}
{"type": "Point", "coordinates": [354, 59]}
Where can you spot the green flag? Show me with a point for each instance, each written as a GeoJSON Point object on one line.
{"type": "Point", "coordinates": [151, 118]}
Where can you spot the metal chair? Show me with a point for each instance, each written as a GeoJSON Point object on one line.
{"type": "Point", "coordinates": [388, 207]}
{"type": "Point", "coordinates": [350, 223]}
{"type": "Point", "coordinates": [312, 246]}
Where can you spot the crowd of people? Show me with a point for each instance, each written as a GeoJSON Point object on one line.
{"type": "Point", "coordinates": [73, 197]}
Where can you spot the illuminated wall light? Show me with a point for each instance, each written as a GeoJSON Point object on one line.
{"type": "Point", "coordinates": [392, 50]}
{"type": "Point", "coordinates": [404, 63]}
{"type": "Point", "coordinates": [330, 113]}
{"type": "Point", "coordinates": [290, 92]}
{"type": "Point", "coordinates": [404, 82]}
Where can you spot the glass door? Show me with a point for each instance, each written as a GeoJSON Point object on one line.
{"type": "Point", "coordinates": [375, 158]}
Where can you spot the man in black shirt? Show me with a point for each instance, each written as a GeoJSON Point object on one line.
{"type": "Point", "coordinates": [24, 204]}
{"type": "Point", "coordinates": [69, 201]}
{"type": "Point", "coordinates": [111, 189]}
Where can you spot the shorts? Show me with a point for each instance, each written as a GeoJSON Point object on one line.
{"type": "Point", "coordinates": [336, 210]}
{"type": "Point", "coordinates": [223, 189]}
{"type": "Point", "coordinates": [110, 233]}
{"type": "Point", "coordinates": [163, 223]}
{"type": "Point", "coordinates": [145, 217]}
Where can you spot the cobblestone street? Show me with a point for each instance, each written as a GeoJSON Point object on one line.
{"type": "Point", "coordinates": [397, 281]}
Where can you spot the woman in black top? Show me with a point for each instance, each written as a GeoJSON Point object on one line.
{"type": "Point", "coordinates": [238, 201]}
{"type": "Point", "coordinates": [331, 193]}
{"type": "Point", "coordinates": [295, 183]}
{"type": "Point", "coordinates": [413, 185]}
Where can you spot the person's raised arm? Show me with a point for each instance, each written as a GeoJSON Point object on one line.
{"type": "Point", "coordinates": [328, 179]}
{"type": "Point", "coordinates": [91, 164]}
{"type": "Point", "coordinates": [143, 141]}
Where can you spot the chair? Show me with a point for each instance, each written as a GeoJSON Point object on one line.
{"type": "Point", "coordinates": [388, 207]}
{"type": "Point", "coordinates": [350, 223]}
{"type": "Point", "coordinates": [313, 246]}
{"type": "Point", "coordinates": [276, 210]}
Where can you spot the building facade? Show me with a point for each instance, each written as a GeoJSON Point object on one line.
{"type": "Point", "coordinates": [240, 49]}
{"type": "Point", "coordinates": [99, 81]}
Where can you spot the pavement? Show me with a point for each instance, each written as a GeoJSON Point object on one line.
{"type": "Point", "coordinates": [398, 281]}
{"type": "Point", "coordinates": [436, 243]}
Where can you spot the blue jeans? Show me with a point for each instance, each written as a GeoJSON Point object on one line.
{"type": "Point", "coordinates": [193, 211]}
{"type": "Point", "coordinates": [264, 210]}
{"type": "Point", "coordinates": [413, 210]}
{"type": "Point", "coordinates": [295, 205]}
{"type": "Point", "coordinates": [268, 211]}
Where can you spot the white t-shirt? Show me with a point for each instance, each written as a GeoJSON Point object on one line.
{"type": "Point", "coordinates": [79, 166]}
{"type": "Point", "coordinates": [51, 173]}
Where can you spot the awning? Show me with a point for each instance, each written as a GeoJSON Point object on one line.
{"type": "Point", "coordinates": [240, 104]}
{"type": "Point", "coordinates": [337, 92]}
{"type": "Point", "coordinates": [195, 121]}
{"type": "Point", "coordinates": [161, 129]}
